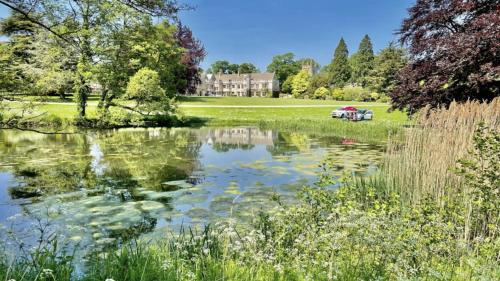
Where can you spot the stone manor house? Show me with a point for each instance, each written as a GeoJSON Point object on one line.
{"type": "Point", "coordinates": [238, 85]}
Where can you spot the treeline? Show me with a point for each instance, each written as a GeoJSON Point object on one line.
{"type": "Point", "coordinates": [363, 76]}
{"type": "Point", "coordinates": [102, 48]}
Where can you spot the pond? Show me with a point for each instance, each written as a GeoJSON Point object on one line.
{"type": "Point", "coordinates": [100, 187]}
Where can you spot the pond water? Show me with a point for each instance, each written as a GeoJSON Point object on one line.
{"type": "Point", "coordinates": [106, 186]}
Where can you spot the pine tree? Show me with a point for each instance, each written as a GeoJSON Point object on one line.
{"type": "Point", "coordinates": [340, 71]}
{"type": "Point", "coordinates": [362, 62]}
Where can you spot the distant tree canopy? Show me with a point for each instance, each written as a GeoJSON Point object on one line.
{"type": "Point", "coordinates": [225, 67]}
{"type": "Point", "coordinates": [247, 68]}
{"type": "Point", "coordinates": [454, 53]}
{"type": "Point", "coordinates": [284, 66]}
{"type": "Point", "coordinates": [383, 77]}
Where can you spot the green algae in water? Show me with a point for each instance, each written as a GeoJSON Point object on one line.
{"type": "Point", "coordinates": [122, 184]}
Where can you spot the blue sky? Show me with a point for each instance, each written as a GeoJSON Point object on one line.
{"type": "Point", "coordinates": [256, 30]}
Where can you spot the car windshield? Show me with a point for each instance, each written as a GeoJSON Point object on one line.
{"type": "Point", "coordinates": [362, 111]}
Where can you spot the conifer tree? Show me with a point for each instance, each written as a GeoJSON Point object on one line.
{"type": "Point", "coordinates": [340, 71]}
{"type": "Point", "coordinates": [362, 62]}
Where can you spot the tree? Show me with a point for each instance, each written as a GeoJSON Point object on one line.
{"type": "Point", "coordinates": [247, 68]}
{"type": "Point", "coordinates": [286, 88]}
{"type": "Point", "coordinates": [321, 93]}
{"type": "Point", "coordinates": [193, 55]}
{"type": "Point", "coordinates": [339, 69]}
{"type": "Point", "coordinates": [453, 48]}
{"type": "Point", "coordinates": [300, 83]}
{"type": "Point", "coordinates": [224, 67]}
{"type": "Point", "coordinates": [284, 66]}
{"type": "Point", "coordinates": [318, 81]}
{"type": "Point", "coordinates": [145, 89]}
{"type": "Point", "coordinates": [140, 44]}
{"type": "Point", "coordinates": [82, 24]}
{"type": "Point", "coordinates": [387, 64]}
{"type": "Point", "coordinates": [362, 62]}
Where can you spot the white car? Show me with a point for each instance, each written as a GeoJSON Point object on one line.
{"type": "Point", "coordinates": [363, 114]}
{"type": "Point", "coordinates": [341, 112]}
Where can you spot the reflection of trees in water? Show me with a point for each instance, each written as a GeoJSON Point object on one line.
{"type": "Point", "coordinates": [225, 139]}
{"type": "Point", "coordinates": [62, 163]}
{"type": "Point", "coordinates": [59, 165]}
{"type": "Point", "coordinates": [151, 156]}
{"type": "Point", "coordinates": [225, 147]}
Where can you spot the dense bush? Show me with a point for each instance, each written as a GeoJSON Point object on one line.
{"type": "Point", "coordinates": [321, 93]}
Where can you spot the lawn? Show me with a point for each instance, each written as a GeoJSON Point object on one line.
{"type": "Point", "coordinates": [242, 101]}
{"type": "Point", "coordinates": [207, 108]}
{"type": "Point", "coordinates": [284, 114]}
{"type": "Point", "coordinates": [253, 115]}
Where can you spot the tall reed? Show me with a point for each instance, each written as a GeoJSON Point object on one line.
{"type": "Point", "coordinates": [422, 162]}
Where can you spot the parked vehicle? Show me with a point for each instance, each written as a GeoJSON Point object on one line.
{"type": "Point", "coordinates": [343, 112]}
{"type": "Point", "coordinates": [363, 114]}
{"type": "Point", "coordinates": [368, 115]}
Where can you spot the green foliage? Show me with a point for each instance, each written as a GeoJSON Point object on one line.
{"type": "Point", "coordinates": [144, 88]}
{"type": "Point", "coordinates": [337, 94]}
{"type": "Point", "coordinates": [374, 96]}
{"type": "Point", "coordinates": [300, 84]}
{"type": "Point", "coordinates": [387, 64]}
{"type": "Point", "coordinates": [223, 67]}
{"type": "Point", "coordinates": [355, 93]}
{"type": "Point", "coordinates": [481, 170]}
{"type": "Point", "coordinates": [362, 62]}
{"type": "Point", "coordinates": [247, 68]}
{"type": "Point", "coordinates": [318, 81]}
{"type": "Point", "coordinates": [284, 66]}
{"type": "Point", "coordinates": [321, 93]}
{"type": "Point", "coordinates": [339, 69]}
{"type": "Point", "coordinates": [287, 85]}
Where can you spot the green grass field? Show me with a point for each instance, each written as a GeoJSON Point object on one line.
{"type": "Point", "coordinates": [239, 101]}
{"type": "Point", "coordinates": [206, 108]}
{"type": "Point", "coordinates": [283, 114]}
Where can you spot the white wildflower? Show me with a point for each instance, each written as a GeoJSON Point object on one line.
{"type": "Point", "coordinates": [110, 279]}
{"type": "Point", "coordinates": [166, 265]}
{"type": "Point", "coordinates": [206, 251]}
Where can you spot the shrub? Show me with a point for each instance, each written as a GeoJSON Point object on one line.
{"type": "Point", "coordinates": [384, 99]}
{"type": "Point", "coordinates": [144, 87]}
{"type": "Point", "coordinates": [355, 93]}
{"type": "Point", "coordinates": [337, 94]}
{"type": "Point", "coordinates": [374, 96]}
{"type": "Point", "coordinates": [321, 93]}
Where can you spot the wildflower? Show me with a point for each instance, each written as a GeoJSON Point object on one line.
{"type": "Point", "coordinates": [12, 280]}
{"type": "Point", "coordinates": [47, 271]}
{"type": "Point", "coordinates": [279, 268]}
{"type": "Point", "coordinates": [166, 265]}
{"type": "Point", "coordinates": [190, 275]}
{"type": "Point", "coordinates": [110, 279]}
{"type": "Point", "coordinates": [206, 251]}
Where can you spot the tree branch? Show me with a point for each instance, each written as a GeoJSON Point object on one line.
{"type": "Point", "coordinates": [27, 16]}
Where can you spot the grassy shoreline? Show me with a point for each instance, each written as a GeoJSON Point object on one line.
{"type": "Point", "coordinates": [309, 117]}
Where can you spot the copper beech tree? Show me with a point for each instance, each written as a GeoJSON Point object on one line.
{"type": "Point", "coordinates": [454, 48]}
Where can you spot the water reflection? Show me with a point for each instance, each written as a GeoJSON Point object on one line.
{"type": "Point", "coordinates": [107, 186]}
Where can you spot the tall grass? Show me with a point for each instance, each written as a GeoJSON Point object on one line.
{"type": "Point", "coordinates": [422, 163]}
{"type": "Point", "coordinates": [365, 131]}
